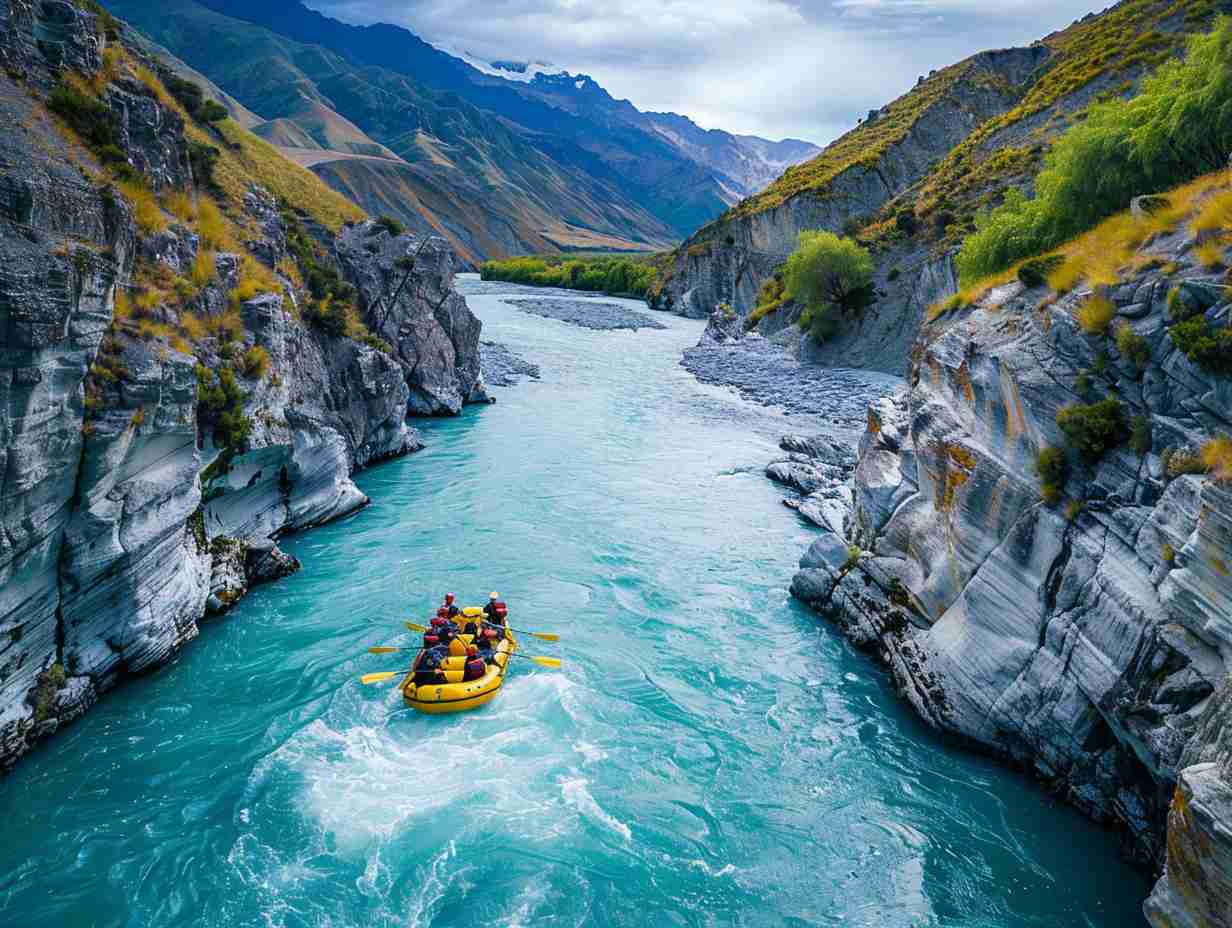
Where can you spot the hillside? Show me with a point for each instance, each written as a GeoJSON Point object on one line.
{"type": "Point", "coordinates": [457, 171]}
{"type": "Point", "coordinates": [497, 166]}
{"type": "Point", "coordinates": [705, 168]}
{"type": "Point", "coordinates": [910, 180]}
{"type": "Point", "coordinates": [204, 344]}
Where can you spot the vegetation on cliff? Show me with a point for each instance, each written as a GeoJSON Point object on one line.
{"type": "Point", "coordinates": [1177, 128]}
{"type": "Point", "coordinates": [831, 277]}
{"type": "Point", "coordinates": [631, 276]}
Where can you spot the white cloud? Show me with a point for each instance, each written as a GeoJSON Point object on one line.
{"type": "Point", "coordinates": [803, 68]}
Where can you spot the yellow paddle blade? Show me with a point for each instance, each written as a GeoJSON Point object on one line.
{"type": "Point", "coordinates": [547, 661]}
{"type": "Point", "coordinates": [370, 678]}
{"type": "Point", "coordinates": [545, 637]}
{"type": "Point", "coordinates": [416, 628]}
{"type": "Point", "coordinates": [384, 650]}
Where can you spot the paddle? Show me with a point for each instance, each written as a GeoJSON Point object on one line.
{"type": "Point", "coordinates": [542, 636]}
{"type": "Point", "coordinates": [370, 678]}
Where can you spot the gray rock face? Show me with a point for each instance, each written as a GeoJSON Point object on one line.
{"type": "Point", "coordinates": [122, 524]}
{"type": "Point", "coordinates": [1084, 641]}
{"type": "Point", "coordinates": [1196, 889]}
{"type": "Point", "coordinates": [406, 285]}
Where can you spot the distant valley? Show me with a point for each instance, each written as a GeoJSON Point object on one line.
{"type": "Point", "coordinates": [500, 158]}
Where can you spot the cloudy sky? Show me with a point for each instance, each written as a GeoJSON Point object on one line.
{"type": "Point", "coordinates": [776, 68]}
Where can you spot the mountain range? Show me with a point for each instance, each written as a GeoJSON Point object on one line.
{"type": "Point", "coordinates": [500, 158]}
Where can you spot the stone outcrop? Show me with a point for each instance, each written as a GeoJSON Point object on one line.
{"type": "Point", "coordinates": [1088, 641]}
{"type": "Point", "coordinates": [122, 522]}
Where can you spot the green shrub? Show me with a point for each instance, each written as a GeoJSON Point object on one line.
{"type": "Point", "coordinates": [1094, 428]}
{"type": "Point", "coordinates": [1052, 465]}
{"type": "Point", "coordinates": [1141, 436]}
{"type": "Point", "coordinates": [1178, 127]}
{"type": "Point", "coordinates": [255, 363]}
{"type": "Point", "coordinates": [330, 316]}
{"type": "Point", "coordinates": [193, 99]}
{"type": "Point", "coordinates": [829, 276]}
{"type": "Point", "coordinates": [1133, 346]}
{"type": "Point", "coordinates": [1082, 383]}
{"type": "Point", "coordinates": [220, 408]}
{"type": "Point", "coordinates": [108, 23]}
{"type": "Point", "coordinates": [1034, 273]}
{"type": "Point", "coordinates": [1205, 346]}
{"type": "Point", "coordinates": [389, 224]}
{"type": "Point", "coordinates": [91, 119]}
{"type": "Point", "coordinates": [202, 158]}
{"type": "Point", "coordinates": [599, 274]}
{"type": "Point", "coordinates": [50, 682]}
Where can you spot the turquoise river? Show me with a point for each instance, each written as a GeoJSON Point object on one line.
{"type": "Point", "coordinates": [712, 753]}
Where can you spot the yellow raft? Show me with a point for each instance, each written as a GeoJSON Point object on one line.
{"type": "Point", "coordinates": [457, 695]}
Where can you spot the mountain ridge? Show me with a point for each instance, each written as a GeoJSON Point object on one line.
{"type": "Point", "coordinates": [497, 166]}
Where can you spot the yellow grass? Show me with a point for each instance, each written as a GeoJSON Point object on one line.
{"type": "Point", "coordinates": [245, 159]}
{"type": "Point", "coordinates": [211, 225]}
{"type": "Point", "coordinates": [180, 205]}
{"type": "Point", "coordinates": [146, 211]}
{"type": "Point", "coordinates": [1210, 255]}
{"type": "Point", "coordinates": [228, 326]}
{"type": "Point", "coordinates": [193, 326]}
{"type": "Point", "coordinates": [146, 299]}
{"type": "Point", "coordinates": [151, 80]}
{"type": "Point", "coordinates": [972, 294]}
{"type": "Point", "coordinates": [290, 270]}
{"type": "Point", "coordinates": [255, 278]}
{"type": "Point", "coordinates": [149, 330]}
{"type": "Point", "coordinates": [203, 268]}
{"type": "Point", "coordinates": [1217, 456]}
{"type": "Point", "coordinates": [123, 304]}
{"type": "Point", "coordinates": [1215, 214]}
{"type": "Point", "coordinates": [1102, 255]}
{"type": "Point", "coordinates": [1095, 314]}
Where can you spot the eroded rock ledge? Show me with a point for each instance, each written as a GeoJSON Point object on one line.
{"type": "Point", "coordinates": [1088, 641]}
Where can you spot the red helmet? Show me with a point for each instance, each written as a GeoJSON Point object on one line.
{"type": "Point", "coordinates": [442, 612]}
{"type": "Point", "coordinates": [449, 597]}
{"type": "Point", "coordinates": [471, 650]}
{"type": "Point", "coordinates": [438, 621]}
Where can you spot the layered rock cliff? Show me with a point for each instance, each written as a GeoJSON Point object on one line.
{"type": "Point", "coordinates": [1082, 631]}
{"type": "Point", "coordinates": [192, 365]}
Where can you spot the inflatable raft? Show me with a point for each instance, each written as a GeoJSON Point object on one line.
{"type": "Point", "coordinates": [457, 695]}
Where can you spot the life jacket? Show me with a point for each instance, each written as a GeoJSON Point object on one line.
{"type": "Point", "coordinates": [431, 641]}
{"type": "Point", "coordinates": [475, 668]}
{"type": "Point", "coordinates": [427, 669]}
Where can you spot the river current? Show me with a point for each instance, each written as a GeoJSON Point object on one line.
{"type": "Point", "coordinates": [711, 754]}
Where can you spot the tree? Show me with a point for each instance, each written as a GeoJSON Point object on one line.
{"type": "Point", "coordinates": [827, 271]}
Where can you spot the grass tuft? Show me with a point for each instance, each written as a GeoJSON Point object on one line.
{"type": "Point", "coordinates": [1095, 315]}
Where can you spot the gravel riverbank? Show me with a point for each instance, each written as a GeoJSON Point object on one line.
{"type": "Point", "coordinates": [588, 313]}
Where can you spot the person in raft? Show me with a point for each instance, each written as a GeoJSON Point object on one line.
{"type": "Point", "coordinates": [450, 607]}
{"type": "Point", "coordinates": [475, 666]}
{"type": "Point", "coordinates": [495, 610]}
{"type": "Point", "coordinates": [428, 668]}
